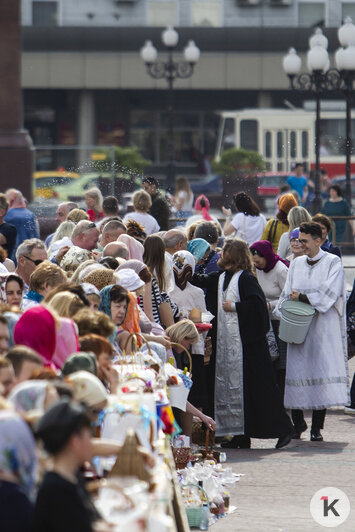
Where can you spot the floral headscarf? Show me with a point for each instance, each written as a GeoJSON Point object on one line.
{"type": "Point", "coordinates": [29, 395]}
{"type": "Point", "coordinates": [18, 451]}
{"type": "Point", "coordinates": [183, 267]}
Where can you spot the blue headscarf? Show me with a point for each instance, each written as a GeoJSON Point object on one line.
{"type": "Point", "coordinates": [198, 247]}
{"type": "Point", "coordinates": [105, 299]}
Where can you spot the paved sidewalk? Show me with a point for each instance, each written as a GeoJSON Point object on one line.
{"type": "Point", "coordinates": [275, 493]}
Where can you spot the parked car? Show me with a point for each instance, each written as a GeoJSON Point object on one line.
{"type": "Point", "coordinates": [269, 183]}
{"type": "Point", "coordinates": [45, 182]}
{"type": "Point", "coordinates": [106, 182]}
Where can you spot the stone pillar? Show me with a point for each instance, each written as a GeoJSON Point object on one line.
{"type": "Point", "coordinates": [86, 124]}
{"type": "Point", "coordinates": [16, 149]}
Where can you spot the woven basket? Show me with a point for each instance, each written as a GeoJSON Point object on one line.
{"type": "Point", "coordinates": [194, 513]}
{"type": "Point", "coordinates": [181, 456]}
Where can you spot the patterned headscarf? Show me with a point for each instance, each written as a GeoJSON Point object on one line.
{"type": "Point", "coordinates": [29, 395]}
{"type": "Point", "coordinates": [105, 300]}
{"type": "Point", "coordinates": [18, 451]}
{"type": "Point", "coordinates": [183, 267]}
{"type": "Point", "coordinates": [100, 278]}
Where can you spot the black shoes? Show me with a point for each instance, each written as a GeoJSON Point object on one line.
{"type": "Point", "coordinates": [283, 441]}
{"type": "Point", "coordinates": [316, 435]}
{"type": "Point", "coordinates": [298, 431]}
{"type": "Point", "coordinates": [237, 442]}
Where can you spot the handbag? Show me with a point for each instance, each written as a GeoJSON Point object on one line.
{"type": "Point", "coordinates": [272, 343]}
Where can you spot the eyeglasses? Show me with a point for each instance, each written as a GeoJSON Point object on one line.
{"type": "Point", "coordinates": [302, 241]}
{"type": "Point", "coordinates": [36, 262]}
{"type": "Point", "coordinates": [295, 241]}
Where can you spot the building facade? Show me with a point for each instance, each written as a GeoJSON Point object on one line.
{"type": "Point", "coordinates": [84, 82]}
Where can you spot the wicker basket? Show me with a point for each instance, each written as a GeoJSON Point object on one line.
{"type": "Point", "coordinates": [194, 513]}
{"type": "Point", "coordinates": [181, 456]}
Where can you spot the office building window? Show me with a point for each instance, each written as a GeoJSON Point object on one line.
{"type": "Point", "coordinates": [347, 10]}
{"type": "Point", "coordinates": [163, 13]}
{"type": "Point", "coordinates": [45, 13]}
{"type": "Point", "coordinates": [206, 12]}
{"type": "Point", "coordinates": [311, 13]}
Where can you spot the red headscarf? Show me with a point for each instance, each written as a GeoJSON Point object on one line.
{"type": "Point", "coordinates": [37, 329]}
{"type": "Point", "coordinates": [202, 204]}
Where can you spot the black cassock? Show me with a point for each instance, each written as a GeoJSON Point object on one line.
{"type": "Point", "coordinates": [264, 414]}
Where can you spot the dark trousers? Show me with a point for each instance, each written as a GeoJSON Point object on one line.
{"type": "Point", "coordinates": [318, 417]}
{"type": "Point", "coordinates": [352, 393]}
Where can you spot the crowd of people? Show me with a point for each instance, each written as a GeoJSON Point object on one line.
{"type": "Point", "coordinates": [70, 304]}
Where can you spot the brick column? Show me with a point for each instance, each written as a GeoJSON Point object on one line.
{"type": "Point", "coordinates": [16, 149]}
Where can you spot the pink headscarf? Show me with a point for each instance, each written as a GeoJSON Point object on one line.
{"type": "Point", "coordinates": [135, 248]}
{"type": "Point", "coordinates": [202, 204]}
{"type": "Point", "coordinates": [37, 329]}
{"type": "Point", "coordinates": [67, 342]}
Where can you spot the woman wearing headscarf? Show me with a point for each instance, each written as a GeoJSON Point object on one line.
{"type": "Point", "coordinates": [18, 472]}
{"type": "Point", "coordinates": [202, 207]}
{"type": "Point", "coordinates": [199, 248]}
{"type": "Point", "coordinates": [188, 297]}
{"type": "Point", "coordinates": [37, 329]}
{"type": "Point", "coordinates": [271, 272]}
{"type": "Point", "coordinates": [135, 248]}
{"type": "Point", "coordinates": [33, 395]}
{"type": "Point", "coordinates": [114, 301]}
{"type": "Point", "coordinates": [279, 225]}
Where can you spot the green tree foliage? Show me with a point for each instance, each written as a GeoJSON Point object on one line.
{"type": "Point", "coordinates": [127, 159]}
{"type": "Point", "coordinates": [237, 162]}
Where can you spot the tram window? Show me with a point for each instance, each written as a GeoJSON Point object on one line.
{"type": "Point", "coordinates": [293, 144]}
{"type": "Point", "coordinates": [332, 139]}
{"type": "Point", "coordinates": [280, 167]}
{"type": "Point", "coordinates": [228, 138]}
{"type": "Point", "coordinates": [267, 147]}
{"type": "Point", "coordinates": [304, 144]}
{"type": "Point", "coordinates": [280, 144]}
{"type": "Point", "coordinates": [249, 134]}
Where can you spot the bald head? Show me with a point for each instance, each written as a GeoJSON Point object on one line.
{"type": "Point", "coordinates": [111, 231]}
{"type": "Point", "coordinates": [117, 250]}
{"type": "Point", "coordinates": [175, 240]}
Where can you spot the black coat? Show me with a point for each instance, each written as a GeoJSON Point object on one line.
{"type": "Point", "coordinates": [264, 414]}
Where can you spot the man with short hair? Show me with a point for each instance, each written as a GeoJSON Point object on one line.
{"type": "Point", "coordinates": [63, 210]}
{"type": "Point", "coordinates": [44, 278]}
{"type": "Point", "coordinates": [4, 335]}
{"type": "Point", "coordinates": [84, 236]}
{"type": "Point", "coordinates": [316, 370]}
{"type": "Point", "coordinates": [160, 209]}
{"type": "Point", "coordinates": [117, 250]}
{"type": "Point", "coordinates": [298, 182]}
{"type": "Point", "coordinates": [8, 232]}
{"type": "Point", "coordinates": [7, 377]}
{"type": "Point", "coordinates": [110, 209]}
{"type": "Point", "coordinates": [29, 255]}
{"type": "Point", "coordinates": [25, 361]}
{"type": "Point", "coordinates": [22, 218]}
{"type": "Point", "coordinates": [111, 231]}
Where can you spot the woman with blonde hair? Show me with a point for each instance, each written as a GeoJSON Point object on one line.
{"type": "Point", "coordinates": [142, 203]}
{"type": "Point", "coordinates": [66, 304]}
{"type": "Point", "coordinates": [63, 230]}
{"type": "Point", "coordinates": [295, 217]}
{"type": "Point", "coordinates": [183, 198]}
{"type": "Point", "coordinates": [93, 199]}
{"type": "Point", "coordinates": [184, 332]}
{"type": "Point", "coordinates": [76, 215]}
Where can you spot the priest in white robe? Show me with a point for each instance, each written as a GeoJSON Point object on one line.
{"type": "Point", "coordinates": [317, 370]}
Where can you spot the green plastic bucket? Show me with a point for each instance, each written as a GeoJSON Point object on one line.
{"type": "Point", "coordinates": [296, 319]}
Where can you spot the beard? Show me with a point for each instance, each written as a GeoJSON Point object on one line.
{"type": "Point", "coordinates": [224, 264]}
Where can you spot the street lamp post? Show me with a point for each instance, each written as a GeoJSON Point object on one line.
{"type": "Point", "coordinates": [320, 80]}
{"type": "Point", "coordinates": [170, 70]}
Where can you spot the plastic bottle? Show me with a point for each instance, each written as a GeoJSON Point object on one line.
{"type": "Point", "coordinates": [205, 516]}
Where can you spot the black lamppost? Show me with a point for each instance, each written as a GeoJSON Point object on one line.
{"type": "Point", "coordinates": [322, 80]}
{"type": "Point", "coordinates": [170, 70]}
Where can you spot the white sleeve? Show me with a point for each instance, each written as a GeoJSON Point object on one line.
{"type": "Point", "coordinates": [283, 245]}
{"type": "Point", "coordinates": [237, 221]}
